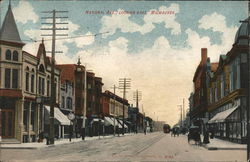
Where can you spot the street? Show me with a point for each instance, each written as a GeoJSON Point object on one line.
{"type": "Point", "coordinates": [134, 147]}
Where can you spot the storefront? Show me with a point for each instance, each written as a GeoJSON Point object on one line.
{"type": "Point", "coordinates": [229, 122]}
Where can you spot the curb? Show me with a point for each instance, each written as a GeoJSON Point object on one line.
{"type": "Point", "coordinates": [45, 146]}
{"type": "Point", "coordinates": [222, 148]}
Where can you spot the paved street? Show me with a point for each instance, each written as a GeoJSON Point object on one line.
{"type": "Point", "coordinates": [140, 147]}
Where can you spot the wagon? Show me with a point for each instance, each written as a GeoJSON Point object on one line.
{"type": "Point", "coordinates": [194, 135]}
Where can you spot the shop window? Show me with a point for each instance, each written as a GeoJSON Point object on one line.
{"type": "Point", "coordinates": [14, 78]}
{"type": "Point", "coordinates": [7, 78]}
{"type": "Point", "coordinates": [32, 117]}
{"type": "Point", "coordinates": [25, 116]}
{"type": "Point", "coordinates": [15, 56]}
{"type": "Point", "coordinates": [8, 55]}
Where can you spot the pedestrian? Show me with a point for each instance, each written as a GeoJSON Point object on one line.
{"type": "Point", "coordinates": [206, 137]}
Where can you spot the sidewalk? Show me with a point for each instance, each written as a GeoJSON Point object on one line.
{"type": "Point", "coordinates": [36, 145]}
{"type": "Point", "coordinates": [218, 144]}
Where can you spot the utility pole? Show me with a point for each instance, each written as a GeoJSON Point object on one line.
{"type": "Point", "coordinates": [183, 108]}
{"type": "Point", "coordinates": [180, 106]}
{"type": "Point", "coordinates": [124, 84]}
{"type": "Point", "coordinates": [137, 97]}
{"type": "Point", "coordinates": [114, 106]}
{"type": "Point", "coordinates": [53, 90]}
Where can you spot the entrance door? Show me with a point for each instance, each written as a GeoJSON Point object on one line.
{"type": "Point", "coordinates": [7, 121]}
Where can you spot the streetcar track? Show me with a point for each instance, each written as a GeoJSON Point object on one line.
{"type": "Point", "coordinates": [154, 140]}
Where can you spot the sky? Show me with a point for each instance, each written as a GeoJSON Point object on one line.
{"type": "Point", "coordinates": [155, 43]}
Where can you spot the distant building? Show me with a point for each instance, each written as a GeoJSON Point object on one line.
{"type": "Point", "coordinates": [112, 108]}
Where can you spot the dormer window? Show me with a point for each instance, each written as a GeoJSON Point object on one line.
{"type": "Point", "coordinates": [8, 55]}
{"type": "Point", "coordinates": [15, 56]}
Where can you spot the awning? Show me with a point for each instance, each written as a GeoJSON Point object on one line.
{"type": "Point", "coordinates": [108, 121]}
{"type": "Point", "coordinates": [121, 122]}
{"type": "Point", "coordinates": [221, 117]}
{"type": "Point", "coordinates": [116, 122]}
{"type": "Point", "coordinates": [59, 116]}
{"type": "Point", "coordinates": [97, 120]}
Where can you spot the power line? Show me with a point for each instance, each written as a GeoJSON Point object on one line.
{"type": "Point", "coordinates": [72, 37]}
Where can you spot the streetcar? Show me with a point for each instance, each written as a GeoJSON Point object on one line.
{"type": "Point", "coordinates": [166, 128]}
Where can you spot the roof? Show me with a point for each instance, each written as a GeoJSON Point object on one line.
{"type": "Point", "coordinates": [241, 35]}
{"type": "Point", "coordinates": [117, 98]}
{"type": "Point", "coordinates": [9, 31]}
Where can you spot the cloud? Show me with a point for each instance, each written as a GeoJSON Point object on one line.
{"type": "Point", "coordinates": [217, 23]}
{"type": "Point", "coordinates": [24, 12]}
{"type": "Point", "coordinates": [122, 21]}
{"type": "Point", "coordinates": [163, 73]}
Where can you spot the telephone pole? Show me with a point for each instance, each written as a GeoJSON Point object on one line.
{"type": "Point", "coordinates": [137, 97]}
{"type": "Point", "coordinates": [53, 90]}
{"type": "Point", "coordinates": [124, 84]}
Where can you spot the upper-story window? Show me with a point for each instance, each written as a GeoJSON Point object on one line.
{"type": "Point", "coordinates": [15, 56]}
{"type": "Point", "coordinates": [27, 79]}
{"type": "Point", "coordinates": [63, 102]}
{"type": "Point", "coordinates": [41, 69]}
{"type": "Point", "coordinates": [69, 103]}
{"type": "Point", "coordinates": [11, 81]}
{"type": "Point", "coordinates": [7, 78]}
{"type": "Point", "coordinates": [8, 55]}
{"type": "Point", "coordinates": [14, 78]}
{"type": "Point", "coordinates": [41, 85]}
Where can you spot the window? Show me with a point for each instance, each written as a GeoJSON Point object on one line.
{"type": "Point", "coordinates": [41, 69]}
{"type": "Point", "coordinates": [63, 102]}
{"type": "Point", "coordinates": [32, 116]}
{"type": "Point", "coordinates": [41, 86]}
{"type": "Point", "coordinates": [14, 78]}
{"type": "Point", "coordinates": [69, 103]}
{"type": "Point", "coordinates": [0, 53]}
{"type": "Point", "coordinates": [8, 55]}
{"type": "Point", "coordinates": [48, 88]}
{"type": "Point", "coordinates": [32, 83]}
{"type": "Point", "coordinates": [27, 81]}
{"type": "Point", "coordinates": [15, 56]}
{"type": "Point", "coordinates": [25, 115]}
{"type": "Point", "coordinates": [7, 78]}
{"type": "Point", "coordinates": [222, 85]}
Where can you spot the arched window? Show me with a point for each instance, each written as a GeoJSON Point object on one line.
{"type": "Point", "coordinates": [8, 55]}
{"type": "Point", "coordinates": [15, 56]}
{"type": "Point", "coordinates": [41, 69]}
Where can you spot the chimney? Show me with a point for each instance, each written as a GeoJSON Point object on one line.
{"type": "Point", "coordinates": [203, 55]}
